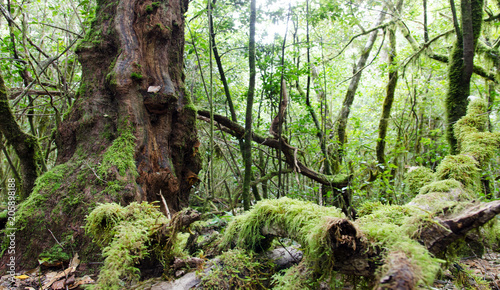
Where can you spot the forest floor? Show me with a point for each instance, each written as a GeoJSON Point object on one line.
{"type": "Point", "coordinates": [468, 273]}
{"type": "Point", "coordinates": [472, 273]}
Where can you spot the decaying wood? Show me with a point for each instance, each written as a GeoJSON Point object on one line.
{"type": "Point", "coordinates": [400, 273]}
{"type": "Point", "coordinates": [437, 237]}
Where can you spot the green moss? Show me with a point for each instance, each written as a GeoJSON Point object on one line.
{"type": "Point", "coordinates": [136, 76]}
{"type": "Point", "coordinates": [48, 183]}
{"type": "Point", "coordinates": [416, 178]}
{"type": "Point", "coordinates": [302, 221]}
{"type": "Point", "coordinates": [235, 269]}
{"type": "Point", "coordinates": [462, 168]}
{"type": "Point", "coordinates": [114, 188]}
{"type": "Point", "coordinates": [125, 233]}
{"type": "Point", "coordinates": [481, 145]}
{"type": "Point", "coordinates": [155, 4]}
{"type": "Point", "coordinates": [297, 277]}
{"type": "Point", "coordinates": [149, 9]}
{"type": "Point", "coordinates": [441, 186]}
{"type": "Point", "coordinates": [54, 254]}
{"type": "Point", "coordinates": [120, 155]}
{"type": "Point", "coordinates": [392, 228]}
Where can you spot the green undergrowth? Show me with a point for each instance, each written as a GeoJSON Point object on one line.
{"type": "Point", "coordinates": [127, 235]}
{"type": "Point", "coordinates": [301, 221]}
{"type": "Point", "coordinates": [237, 269]}
{"type": "Point", "coordinates": [297, 277]}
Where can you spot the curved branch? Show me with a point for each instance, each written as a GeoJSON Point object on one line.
{"type": "Point", "coordinates": [236, 130]}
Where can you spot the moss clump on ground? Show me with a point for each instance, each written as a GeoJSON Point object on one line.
{"type": "Point", "coordinates": [237, 269]}
{"type": "Point", "coordinates": [126, 233]}
{"type": "Point", "coordinates": [54, 254]}
{"type": "Point", "coordinates": [416, 178]}
{"type": "Point", "coordinates": [304, 222]}
{"type": "Point", "coordinates": [130, 234]}
{"type": "Point", "coordinates": [297, 277]}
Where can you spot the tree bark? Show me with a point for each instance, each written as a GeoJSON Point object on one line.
{"type": "Point", "coordinates": [247, 150]}
{"type": "Point", "coordinates": [389, 98]}
{"type": "Point", "coordinates": [131, 133]}
{"type": "Point", "coordinates": [26, 146]}
{"type": "Point", "coordinates": [461, 65]}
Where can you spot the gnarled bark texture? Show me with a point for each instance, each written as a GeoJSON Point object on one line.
{"type": "Point", "coordinates": [130, 134]}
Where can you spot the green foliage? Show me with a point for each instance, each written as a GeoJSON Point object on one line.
{"type": "Point", "coordinates": [297, 277]}
{"type": "Point", "coordinates": [416, 178]}
{"type": "Point", "coordinates": [136, 76]}
{"type": "Point", "coordinates": [236, 269]}
{"type": "Point", "coordinates": [54, 254]}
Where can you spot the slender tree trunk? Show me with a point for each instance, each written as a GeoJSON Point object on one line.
{"type": "Point", "coordinates": [130, 135]}
{"type": "Point", "coordinates": [351, 92]}
{"type": "Point", "coordinates": [248, 119]}
{"type": "Point", "coordinates": [389, 97]}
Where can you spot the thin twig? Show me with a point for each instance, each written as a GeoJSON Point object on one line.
{"type": "Point", "coordinates": [55, 239]}
{"type": "Point", "coordinates": [95, 173]}
{"type": "Point", "coordinates": [166, 206]}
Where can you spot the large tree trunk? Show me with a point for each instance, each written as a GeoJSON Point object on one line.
{"type": "Point", "coordinates": [130, 135]}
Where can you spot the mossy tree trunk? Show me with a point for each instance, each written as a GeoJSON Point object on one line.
{"type": "Point", "coordinates": [129, 136]}
{"type": "Point", "coordinates": [389, 93]}
{"type": "Point", "coordinates": [25, 145]}
{"type": "Point", "coordinates": [462, 64]}
{"type": "Point", "coordinates": [247, 148]}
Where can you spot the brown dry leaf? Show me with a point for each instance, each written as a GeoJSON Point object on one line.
{"type": "Point", "coordinates": [82, 281]}
{"type": "Point", "coordinates": [34, 271]}
{"type": "Point", "coordinates": [60, 275]}
{"type": "Point", "coordinates": [74, 261]}
{"type": "Point", "coordinates": [58, 285]}
{"type": "Point", "coordinates": [50, 264]}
